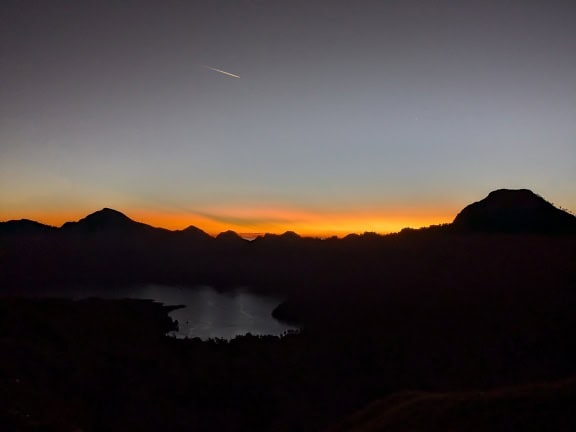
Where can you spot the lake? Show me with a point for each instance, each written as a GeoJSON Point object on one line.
{"type": "Point", "coordinates": [208, 313]}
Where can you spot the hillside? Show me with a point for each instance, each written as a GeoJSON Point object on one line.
{"type": "Point", "coordinates": [514, 211]}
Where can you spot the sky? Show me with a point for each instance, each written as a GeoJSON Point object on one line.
{"type": "Point", "coordinates": [338, 116]}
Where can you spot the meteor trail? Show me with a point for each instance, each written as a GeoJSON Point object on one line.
{"type": "Point", "coordinates": [222, 72]}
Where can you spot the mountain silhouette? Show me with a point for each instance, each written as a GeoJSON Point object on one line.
{"type": "Point", "coordinates": [24, 226]}
{"type": "Point", "coordinates": [514, 211]}
{"type": "Point", "coordinates": [502, 211]}
{"type": "Point", "coordinates": [286, 236]}
{"type": "Point", "coordinates": [196, 233]}
{"type": "Point", "coordinates": [230, 237]}
{"type": "Point", "coordinates": [106, 220]}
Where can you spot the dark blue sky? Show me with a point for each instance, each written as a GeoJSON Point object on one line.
{"type": "Point", "coordinates": [348, 115]}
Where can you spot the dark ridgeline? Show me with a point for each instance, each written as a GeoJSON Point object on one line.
{"type": "Point", "coordinates": [24, 227]}
{"type": "Point", "coordinates": [230, 237]}
{"type": "Point", "coordinates": [483, 304]}
{"type": "Point", "coordinates": [106, 221]}
{"type": "Point", "coordinates": [193, 233]}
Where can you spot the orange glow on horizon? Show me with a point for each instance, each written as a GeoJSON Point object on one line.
{"type": "Point", "coordinates": [270, 220]}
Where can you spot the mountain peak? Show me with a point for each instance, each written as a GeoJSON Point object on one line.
{"type": "Point", "coordinates": [195, 232]}
{"type": "Point", "coordinates": [290, 235]}
{"type": "Point", "coordinates": [515, 198]}
{"type": "Point", "coordinates": [230, 236]}
{"type": "Point", "coordinates": [106, 219]}
{"type": "Point", "coordinates": [108, 213]}
{"type": "Point", "coordinates": [514, 210]}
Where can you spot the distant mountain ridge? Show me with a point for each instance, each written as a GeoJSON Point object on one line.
{"type": "Point", "coordinates": [502, 211]}
{"type": "Point", "coordinates": [230, 236]}
{"type": "Point", "coordinates": [193, 232]}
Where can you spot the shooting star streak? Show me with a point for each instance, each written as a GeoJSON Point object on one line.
{"type": "Point", "coordinates": [222, 72]}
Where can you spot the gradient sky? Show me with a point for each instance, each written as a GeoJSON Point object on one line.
{"type": "Point", "coordinates": [347, 116]}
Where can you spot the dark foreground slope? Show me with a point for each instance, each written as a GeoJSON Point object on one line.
{"type": "Point", "coordinates": [100, 365]}
{"type": "Point", "coordinates": [543, 407]}
{"type": "Point", "coordinates": [105, 366]}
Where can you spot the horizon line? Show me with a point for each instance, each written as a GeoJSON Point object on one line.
{"type": "Point", "coordinates": [59, 220]}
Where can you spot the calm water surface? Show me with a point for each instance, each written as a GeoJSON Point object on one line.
{"type": "Point", "coordinates": [208, 313]}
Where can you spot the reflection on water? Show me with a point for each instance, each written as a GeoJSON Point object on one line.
{"type": "Point", "coordinates": [208, 313]}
